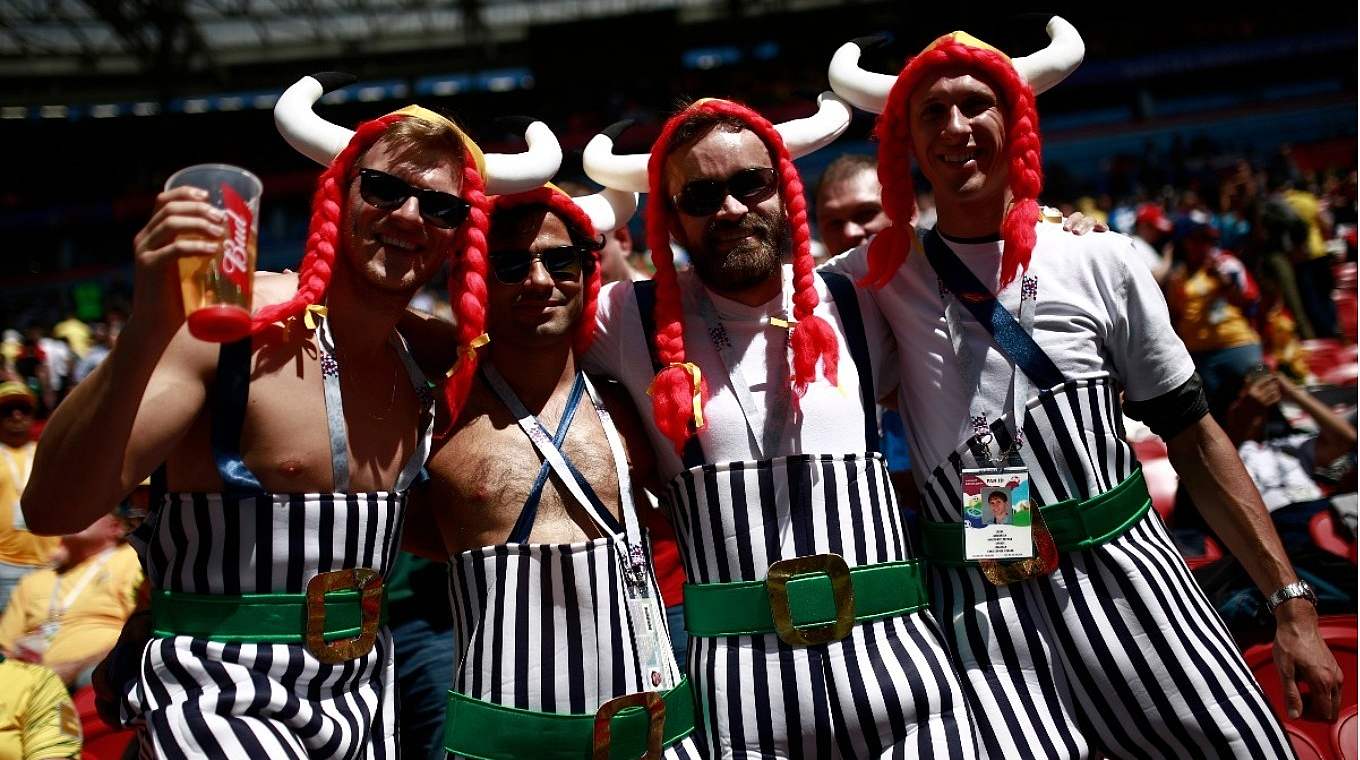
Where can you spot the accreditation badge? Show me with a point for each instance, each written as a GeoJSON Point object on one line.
{"type": "Point", "coordinates": [997, 514]}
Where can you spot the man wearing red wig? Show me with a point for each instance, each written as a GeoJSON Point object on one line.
{"type": "Point", "coordinates": [558, 614]}
{"type": "Point", "coordinates": [280, 507]}
{"type": "Point", "coordinates": [805, 609]}
{"type": "Point", "coordinates": [1101, 643]}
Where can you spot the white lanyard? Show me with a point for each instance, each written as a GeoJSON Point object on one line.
{"type": "Point", "coordinates": [55, 609]}
{"type": "Point", "coordinates": [766, 440]}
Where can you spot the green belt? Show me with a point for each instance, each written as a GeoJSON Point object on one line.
{"type": "Point", "coordinates": [745, 607]}
{"type": "Point", "coordinates": [1074, 524]}
{"type": "Point", "coordinates": [486, 731]}
{"type": "Point", "coordinates": [254, 618]}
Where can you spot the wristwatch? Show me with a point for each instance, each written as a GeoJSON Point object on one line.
{"type": "Point", "coordinates": [1292, 591]}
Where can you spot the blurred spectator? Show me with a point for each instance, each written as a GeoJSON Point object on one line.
{"type": "Point", "coordinates": [69, 617]}
{"type": "Point", "coordinates": [1313, 266]}
{"type": "Point", "coordinates": [77, 334]}
{"type": "Point", "coordinates": [1282, 460]}
{"type": "Point", "coordinates": [1152, 239]}
{"type": "Point", "coordinates": [1209, 295]}
{"type": "Point", "coordinates": [37, 719]}
{"type": "Point", "coordinates": [849, 208]}
{"type": "Point", "coordinates": [10, 348]}
{"type": "Point", "coordinates": [1281, 232]}
{"type": "Point", "coordinates": [21, 552]}
{"type": "Point", "coordinates": [101, 343]}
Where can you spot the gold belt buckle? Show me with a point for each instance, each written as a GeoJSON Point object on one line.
{"type": "Point", "coordinates": [776, 584]}
{"type": "Point", "coordinates": [369, 584]}
{"type": "Point", "coordinates": [656, 729]}
{"type": "Point", "coordinates": [1044, 561]}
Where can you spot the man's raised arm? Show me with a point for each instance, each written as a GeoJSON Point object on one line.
{"type": "Point", "coordinates": [123, 419]}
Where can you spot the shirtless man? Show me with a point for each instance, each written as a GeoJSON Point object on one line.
{"type": "Point", "coordinates": [275, 489]}
{"type": "Point", "coordinates": [555, 605]}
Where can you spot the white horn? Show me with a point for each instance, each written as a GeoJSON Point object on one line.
{"type": "Point", "coordinates": [1047, 67]}
{"type": "Point", "coordinates": [866, 90]}
{"type": "Point", "coordinates": [803, 136]}
{"type": "Point", "coordinates": [608, 209]}
{"type": "Point", "coordinates": [626, 172]}
{"type": "Point", "coordinates": [309, 134]}
{"type": "Point", "coordinates": [508, 173]}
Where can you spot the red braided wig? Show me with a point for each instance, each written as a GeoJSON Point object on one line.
{"type": "Point", "coordinates": [467, 287]}
{"type": "Point", "coordinates": [811, 339]}
{"type": "Point", "coordinates": [891, 246]}
{"type": "Point", "coordinates": [576, 218]}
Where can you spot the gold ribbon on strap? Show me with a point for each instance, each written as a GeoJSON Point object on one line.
{"type": "Point", "coordinates": [313, 314]}
{"type": "Point", "coordinates": [695, 379]}
{"type": "Point", "coordinates": [787, 324]}
{"type": "Point", "coordinates": [469, 352]}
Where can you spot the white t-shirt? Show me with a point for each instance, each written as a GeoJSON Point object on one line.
{"type": "Point", "coordinates": [1150, 256]}
{"type": "Point", "coordinates": [832, 419]}
{"type": "Point", "coordinates": [1099, 313]}
{"type": "Point", "coordinates": [1282, 469]}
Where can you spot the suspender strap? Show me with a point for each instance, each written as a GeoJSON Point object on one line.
{"type": "Point", "coordinates": [847, 306]}
{"type": "Point", "coordinates": [744, 608]}
{"type": "Point", "coordinates": [478, 729]}
{"type": "Point", "coordinates": [645, 293]}
{"type": "Point", "coordinates": [524, 525]}
{"type": "Point", "coordinates": [1075, 524]}
{"type": "Point", "coordinates": [231, 392]}
{"type": "Point", "coordinates": [1006, 332]}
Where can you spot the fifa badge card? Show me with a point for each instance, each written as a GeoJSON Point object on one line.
{"type": "Point", "coordinates": [996, 514]}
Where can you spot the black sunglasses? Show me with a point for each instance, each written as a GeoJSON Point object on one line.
{"type": "Point", "coordinates": [703, 197]}
{"type": "Point", "coordinates": [563, 263]}
{"type": "Point", "coordinates": [382, 190]}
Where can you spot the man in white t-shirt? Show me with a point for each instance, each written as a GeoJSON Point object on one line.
{"type": "Point", "coordinates": [1101, 643]}
{"type": "Point", "coordinates": [757, 382]}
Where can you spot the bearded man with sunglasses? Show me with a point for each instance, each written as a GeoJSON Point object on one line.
{"type": "Point", "coordinates": [280, 504]}
{"type": "Point", "coordinates": [809, 633]}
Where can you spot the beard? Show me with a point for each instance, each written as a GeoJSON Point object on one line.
{"type": "Point", "coordinates": [751, 261]}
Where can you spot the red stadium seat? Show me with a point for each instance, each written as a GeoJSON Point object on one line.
{"type": "Point", "coordinates": [101, 741]}
{"type": "Point", "coordinates": [1322, 528]}
{"type": "Point", "coordinates": [1315, 738]}
{"type": "Point", "coordinates": [1212, 553]}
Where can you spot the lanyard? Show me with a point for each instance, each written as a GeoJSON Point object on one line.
{"type": "Point", "coordinates": [767, 439]}
{"type": "Point", "coordinates": [335, 411]}
{"type": "Point", "coordinates": [972, 366]}
{"type": "Point", "coordinates": [629, 545]}
{"type": "Point", "coordinates": [56, 609]}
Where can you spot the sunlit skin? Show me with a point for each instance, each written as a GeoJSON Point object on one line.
{"type": "Point", "coordinates": [540, 309]}
{"type": "Point", "coordinates": [850, 211]}
{"type": "Point", "coordinates": [396, 250]}
{"type": "Point", "coordinates": [959, 137]}
{"type": "Point", "coordinates": [735, 250]}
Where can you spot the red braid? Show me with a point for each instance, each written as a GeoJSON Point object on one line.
{"type": "Point", "coordinates": [573, 216]}
{"type": "Point", "coordinates": [467, 287]}
{"type": "Point", "coordinates": [893, 131]}
{"type": "Point", "coordinates": [812, 338]}
{"type": "Point", "coordinates": [323, 231]}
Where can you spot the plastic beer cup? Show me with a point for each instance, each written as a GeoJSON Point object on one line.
{"type": "Point", "coordinates": [217, 288]}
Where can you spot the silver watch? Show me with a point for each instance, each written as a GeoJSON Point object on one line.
{"type": "Point", "coordinates": [1292, 591]}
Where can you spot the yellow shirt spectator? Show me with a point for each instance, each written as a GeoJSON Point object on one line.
{"type": "Point", "coordinates": [17, 545]}
{"type": "Point", "coordinates": [76, 614]}
{"type": "Point", "coordinates": [37, 718]}
{"type": "Point", "coordinates": [1308, 208]}
{"type": "Point", "coordinates": [76, 333]}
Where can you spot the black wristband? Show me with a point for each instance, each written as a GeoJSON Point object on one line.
{"type": "Point", "coordinates": [1170, 413]}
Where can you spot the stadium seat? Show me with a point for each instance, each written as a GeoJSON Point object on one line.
{"type": "Point", "coordinates": [1322, 528]}
{"type": "Point", "coordinates": [101, 741]}
{"type": "Point", "coordinates": [1315, 738]}
{"type": "Point", "coordinates": [1212, 553]}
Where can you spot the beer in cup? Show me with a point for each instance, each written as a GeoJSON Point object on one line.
{"type": "Point", "coordinates": [216, 288]}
